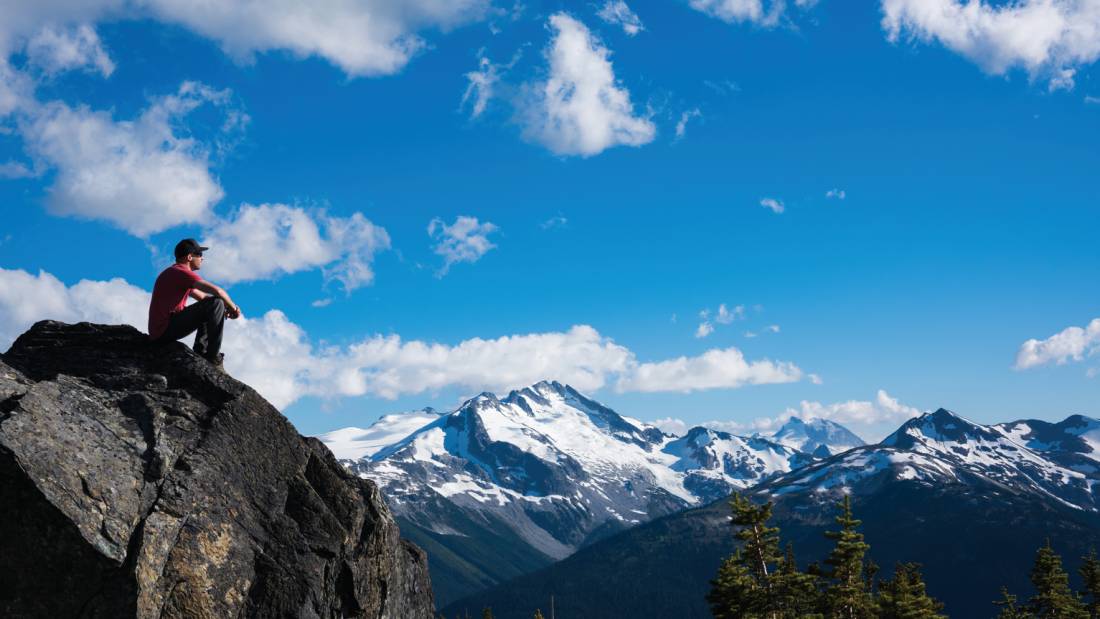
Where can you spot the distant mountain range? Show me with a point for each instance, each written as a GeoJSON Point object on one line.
{"type": "Point", "coordinates": [500, 487]}
{"type": "Point", "coordinates": [970, 502]}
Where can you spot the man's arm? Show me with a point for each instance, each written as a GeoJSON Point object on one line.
{"type": "Point", "coordinates": [197, 295]}
{"type": "Point", "coordinates": [232, 309]}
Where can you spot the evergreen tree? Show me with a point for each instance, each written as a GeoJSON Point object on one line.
{"type": "Point", "coordinates": [794, 593]}
{"type": "Point", "coordinates": [733, 593]}
{"type": "Point", "coordinates": [1053, 598]}
{"type": "Point", "coordinates": [760, 542]}
{"type": "Point", "coordinates": [1090, 573]}
{"type": "Point", "coordinates": [1009, 610]}
{"type": "Point", "coordinates": [904, 596]}
{"type": "Point", "coordinates": [538, 614]}
{"type": "Point", "coordinates": [486, 613]}
{"type": "Point", "coordinates": [847, 596]}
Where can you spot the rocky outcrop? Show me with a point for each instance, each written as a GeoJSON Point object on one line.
{"type": "Point", "coordinates": [141, 481]}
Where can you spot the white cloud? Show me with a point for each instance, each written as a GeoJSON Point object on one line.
{"type": "Point", "coordinates": [775, 205]}
{"type": "Point", "coordinates": [1092, 372]}
{"type": "Point", "coordinates": [25, 299]}
{"type": "Point", "coordinates": [362, 37]}
{"type": "Point", "coordinates": [269, 240]}
{"type": "Point", "coordinates": [55, 49]}
{"type": "Point", "coordinates": [466, 240]}
{"type": "Point", "coordinates": [681, 125]}
{"type": "Point", "coordinates": [140, 175]}
{"type": "Point", "coordinates": [276, 356]}
{"type": "Point", "coordinates": [557, 221]}
{"type": "Point", "coordinates": [723, 316]}
{"type": "Point", "coordinates": [1050, 39]}
{"type": "Point", "coordinates": [1070, 344]}
{"type": "Point", "coordinates": [617, 13]}
{"type": "Point", "coordinates": [714, 369]}
{"type": "Point", "coordinates": [837, 194]}
{"type": "Point", "coordinates": [581, 109]}
{"type": "Point", "coordinates": [1091, 99]}
{"type": "Point", "coordinates": [878, 416]}
{"type": "Point", "coordinates": [480, 86]}
{"type": "Point", "coordinates": [671, 425]}
{"type": "Point", "coordinates": [752, 11]}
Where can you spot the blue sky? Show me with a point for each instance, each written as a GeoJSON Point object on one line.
{"type": "Point", "coordinates": [578, 234]}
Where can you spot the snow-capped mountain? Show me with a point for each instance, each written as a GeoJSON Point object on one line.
{"type": "Point", "coordinates": [355, 443]}
{"type": "Point", "coordinates": [819, 437]}
{"type": "Point", "coordinates": [547, 468]}
{"type": "Point", "coordinates": [943, 448]}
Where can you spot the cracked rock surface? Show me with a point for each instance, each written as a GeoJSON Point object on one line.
{"type": "Point", "coordinates": [138, 480]}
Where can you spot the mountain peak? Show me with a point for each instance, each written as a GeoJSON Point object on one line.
{"type": "Point", "coordinates": [940, 425]}
{"type": "Point", "coordinates": [812, 435]}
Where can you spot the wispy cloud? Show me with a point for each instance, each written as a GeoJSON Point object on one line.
{"type": "Point", "coordinates": [681, 125]}
{"type": "Point", "coordinates": [466, 240]}
{"type": "Point", "coordinates": [836, 194]}
{"type": "Point", "coordinates": [617, 13]}
{"type": "Point", "coordinates": [776, 206]}
{"type": "Point", "coordinates": [722, 316]}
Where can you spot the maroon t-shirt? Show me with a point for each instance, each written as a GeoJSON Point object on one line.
{"type": "Point", "coordinates": [169, 296]}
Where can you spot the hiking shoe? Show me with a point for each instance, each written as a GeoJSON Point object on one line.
{"type": "Point", "coordinates": [217, 361]}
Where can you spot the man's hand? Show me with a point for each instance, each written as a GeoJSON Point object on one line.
{"type": "Point", "coordinates": [233, 311]}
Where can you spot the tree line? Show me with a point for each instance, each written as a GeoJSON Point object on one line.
{"type": "Point", "coordinates": [759, 582]}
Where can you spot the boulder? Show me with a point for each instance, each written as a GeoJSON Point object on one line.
{"type": "Point", "coordinates": [140, 481]}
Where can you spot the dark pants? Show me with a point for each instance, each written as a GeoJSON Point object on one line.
{"type": "Point", "coordinates": [207, 317]}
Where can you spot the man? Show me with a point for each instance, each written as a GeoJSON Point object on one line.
{"type": "Point", "coordinates": [169, 316]}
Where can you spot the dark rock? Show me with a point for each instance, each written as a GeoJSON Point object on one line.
{"type": "Point", "coordinates": [139, 480]}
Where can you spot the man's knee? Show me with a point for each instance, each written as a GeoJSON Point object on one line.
{"type": "Point", "coordinates": [217, 306]}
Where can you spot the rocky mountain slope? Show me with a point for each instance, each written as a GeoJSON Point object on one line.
{"type": "Point", "coordinates": [502, 486]}
{"type": "Point", "coordinates": [970, 502]}
{"type": "Point", "coordinates": [140, 481]}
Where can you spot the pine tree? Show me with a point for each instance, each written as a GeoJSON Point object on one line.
{"type": "Point", "coordinates": [538, 614]}
{"type": "Point", "coordinates": [847, 597]}
{"type": "Point", "coordinates": [761, 542]}
{"type": "Point", "coordinates": [486, 613]}
{"type": "Point", "coordinates": [1090, 573]}
{"type": "Point", "coordinates": [733, 593]}
{"type": "Point", "coordinates": [904, 596]}
{"type": "Point", "coordinates": [1053, 598]}
{"type": "Point", "coordinates": [1009, 610]}
{"type": "Point", "coordinates": [794, 593]}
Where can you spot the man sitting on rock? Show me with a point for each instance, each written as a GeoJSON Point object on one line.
{"type": "Point", "coordinates": [170, 319]}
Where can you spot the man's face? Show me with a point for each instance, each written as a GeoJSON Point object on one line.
{"type": "Point", "coordinates": [195, 261]}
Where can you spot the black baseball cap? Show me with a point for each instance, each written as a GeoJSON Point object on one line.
{"type": "Point", "coordinates": [189, 246]}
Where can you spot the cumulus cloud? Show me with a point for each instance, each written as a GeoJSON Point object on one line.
{"type": "Point", "coordinates": [557, 221]}
{"type": "Point", "coordinates": [54, 49]}
{"type": "Point", "coordinates": [277, 357]}
{"type": "Point", "coordinates": [26, 299]}
{"type": "Point", "coordinates": [269, 240]}
{"type": "Point", "coordinates": [1049, 39]}
{"type": "Point", "coordinates": [617, 13]}
{"type": "Point", "coordinates": [776, 206]}
{"type": "Point", "coordinates": [878, 416]}
{"type": "Point", "coordinates": [362, 37]}
{"type": "Point", "coordinates": [1070, 344]}
{"type": "Point", "coordinates": [581, 109]}
{"type": "Point", "coordinates": [140, 175]}
{"type": "Point", "coordinates": [466, 240]}
{"type": "Point", "coordinates": [714, 369]}
{"type": "Point", "coordinates": [836, 194]}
